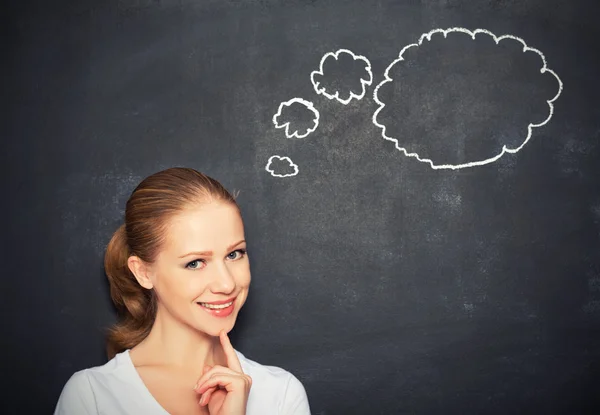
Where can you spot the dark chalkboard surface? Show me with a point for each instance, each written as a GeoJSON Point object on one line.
{"type": "Point", "coordinates": [421, 197]}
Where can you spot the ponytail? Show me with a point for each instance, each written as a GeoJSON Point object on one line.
{"type": "Point", "coordinates": [135, 304]}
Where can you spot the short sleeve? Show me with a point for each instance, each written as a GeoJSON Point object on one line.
{"type": "Point", "coordinates": [295, 401]}
{"type": "Point", "coordinates": [77, 397]}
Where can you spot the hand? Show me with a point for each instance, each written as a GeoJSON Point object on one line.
{"type": "Point", "coordinates": [225, 389]}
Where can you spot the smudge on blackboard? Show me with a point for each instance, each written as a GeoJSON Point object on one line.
{"type": "Point", "coordinates": [448, 199]}
{"type": "Point", "coordinates": [571, 154]}
{"type": "Point", "coordinates": [469, 308]}
{"type": "Point", "coordinates": [595, 209]}
{"type": "Point", "coordinates": [592, 307]}
{"type": "Point", "coordinates": [594, 284]}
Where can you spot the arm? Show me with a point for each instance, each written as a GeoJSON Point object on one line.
{"type": "Point", "coordinates": [295, 401]}
{"type": "Point", "coordinates": [77, 397]}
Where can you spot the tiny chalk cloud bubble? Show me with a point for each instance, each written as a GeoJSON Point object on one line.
{"type": "Point", "coordinates": [281, 166]}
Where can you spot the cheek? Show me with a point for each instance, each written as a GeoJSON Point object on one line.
{"type": "Point", "coordinates": [195, 282]}
{"type": "Point", "coordinates": [179, 284]}
{"type": "Point", "coordinates": [243, 276]}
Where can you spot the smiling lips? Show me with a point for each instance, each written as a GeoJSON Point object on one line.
{"type": "Point", "coordinates": [219, 308]}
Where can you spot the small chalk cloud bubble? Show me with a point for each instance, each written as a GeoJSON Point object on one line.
{"type": "Point", "coordinates": [459, 98]}
{"type": "Point", "coordinates": [298, 117]}
{"type": "Point", "coordinates": [342, 76]}
{"type": "Point", "coordinates": [281, 166]}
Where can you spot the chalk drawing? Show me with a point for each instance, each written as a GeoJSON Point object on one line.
{"type": "Point", "coordinates": [286, 124]}
{"type": "Point", "coordinates": [280, 164]}
{"type": "Point", "coordinates": [505, 149]}
{"type": "Point", "coordinates": [364, 81]}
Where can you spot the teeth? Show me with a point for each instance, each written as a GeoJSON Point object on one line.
{"type": "Point", "coordinates": [216, 306]}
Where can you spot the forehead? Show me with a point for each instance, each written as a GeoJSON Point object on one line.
{"type": "Point", "coordinates": [208, 227]}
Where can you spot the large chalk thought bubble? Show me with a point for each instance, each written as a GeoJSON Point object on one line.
{"type": "Point", "coordinates": [279, 166]}
{"type": "Point", "coordinates": [459, 98]}
{"type": "Point", "coordinates": [342, 76]}
{"type": "Point", "coordinates": [298, 116]}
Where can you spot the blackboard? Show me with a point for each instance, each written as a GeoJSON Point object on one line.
{"type": "Point", "coordinates": [420, 184]}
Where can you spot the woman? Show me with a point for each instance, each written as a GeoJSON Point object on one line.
{"type": "Point", "coordinates": [179, 274]}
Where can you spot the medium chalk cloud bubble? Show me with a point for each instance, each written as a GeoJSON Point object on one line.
{"type": "Point", "coordinates": [297, 116]}
{"type": "Point", "coordinates": [342, 76]}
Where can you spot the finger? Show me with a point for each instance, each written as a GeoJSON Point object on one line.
{"type": "Point", "coordinates": [226, 381]}
{"type": "Point", "coordinates": [213, 371]}
{"type": "Point", "coordinates": [205, 369]}
{"type": "Point", "coordinates": [205, 398]}
{"type": "Point", "coordinates": [232, 360]}
{"type": "Point", "coordinates": [216, 401]}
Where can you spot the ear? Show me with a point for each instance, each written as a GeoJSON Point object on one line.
{"type": "Point", "coordinates": [141, 271]}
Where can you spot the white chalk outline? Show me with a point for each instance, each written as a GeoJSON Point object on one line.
{"type": "Point", "coordinates": [336, 96]}
{"type": "Point", "coordinates": [308, 105]}
{"type": "Point", "coordinates": [289, 160]}
{"type": "Point", "coordinates": [497, 39]}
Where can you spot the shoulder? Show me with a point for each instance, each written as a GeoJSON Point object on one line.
{"type": "Point", "coordinates": [276, 387]}
{"type": "Point", "coordinates": [79, 394]}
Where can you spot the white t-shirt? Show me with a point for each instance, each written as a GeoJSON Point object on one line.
{"type": "Point", "coordinates": [116, 388]}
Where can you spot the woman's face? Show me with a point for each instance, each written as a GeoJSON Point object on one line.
{"type": "Point", "coordinates": [202, 275]}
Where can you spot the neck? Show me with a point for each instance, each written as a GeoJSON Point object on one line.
{"type": "Point", "coordinates": [173, 343]}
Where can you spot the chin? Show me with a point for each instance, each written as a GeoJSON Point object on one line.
{"type": "Point", "coordinates": [213, 330]}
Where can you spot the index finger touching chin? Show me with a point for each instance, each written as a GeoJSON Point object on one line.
{"type": "Point", "coordinates": [232, 360]}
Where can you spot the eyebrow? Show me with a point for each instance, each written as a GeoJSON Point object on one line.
{"type": "Point", "coordinates": [210, 253]}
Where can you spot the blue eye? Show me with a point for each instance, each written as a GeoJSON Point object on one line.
{"type": "Point", "coordinates": [195, 264]}
{"type": "Point", "coordinates": [237, 254]}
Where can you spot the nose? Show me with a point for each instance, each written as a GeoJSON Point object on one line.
{"type": "Point", "coordinates": [223, 281]}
